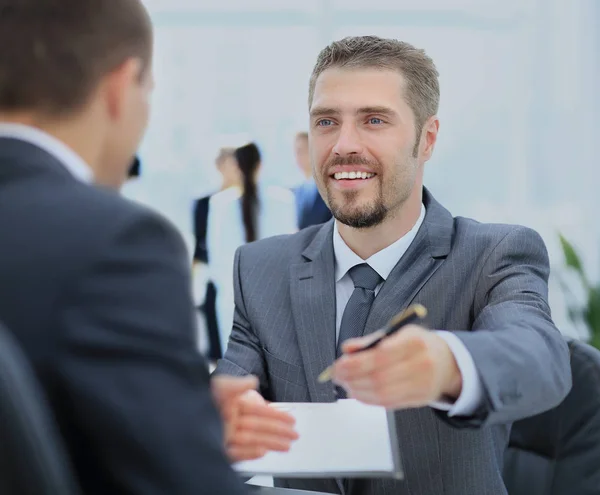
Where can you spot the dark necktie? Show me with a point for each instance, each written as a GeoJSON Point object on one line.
{"type": "Point", "coordinates": [359, 305]}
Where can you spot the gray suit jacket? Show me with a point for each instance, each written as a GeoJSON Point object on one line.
{"type": "Point", "coordinates": [486, 283]}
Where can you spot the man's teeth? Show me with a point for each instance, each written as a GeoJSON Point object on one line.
{"type": "Point", "coordinates": [352, 175]}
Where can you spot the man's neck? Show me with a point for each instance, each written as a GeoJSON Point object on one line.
{"type": "Point", "coordinates": [366, 242]}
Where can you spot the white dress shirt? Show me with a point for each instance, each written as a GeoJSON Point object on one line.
{"type": "Point", "coordinates": [65, 155]}
{"type": "Point", "coordinates": [383, 263]}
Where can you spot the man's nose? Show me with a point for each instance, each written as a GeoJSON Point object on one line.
{"type": "Point", "coordinates": [349, 141]}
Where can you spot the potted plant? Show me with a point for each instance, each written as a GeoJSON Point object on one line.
{"type": "Point", "coordinates": [588, 312]}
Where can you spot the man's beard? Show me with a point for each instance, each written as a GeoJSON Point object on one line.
{"type": "Point", "coordinates": [359, 217]}
{"type": "Point", "coordinates": [371, 214]}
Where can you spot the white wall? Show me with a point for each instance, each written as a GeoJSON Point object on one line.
{"type": "Point", "coordinates": [518, 112]}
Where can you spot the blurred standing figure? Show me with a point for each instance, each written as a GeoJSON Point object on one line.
{"type": "Point", "coordinates": [311, 209]}
{"type": "Point", "coordinates": [239, 215]}
{"type": "Point", "coordinates": [96, 288]}
{"type": "Point", "coordinates": [227, 166]}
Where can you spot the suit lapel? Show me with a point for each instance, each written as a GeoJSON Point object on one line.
{"type": "Point", "coordinates": [312, 287]}
{"type": "Point", "coordinates": [424, 256]}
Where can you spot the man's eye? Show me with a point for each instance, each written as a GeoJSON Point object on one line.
{"type": "Point", "coordinates": [324, 123]}
{"type": "Point", "coordinates": [375, 121]}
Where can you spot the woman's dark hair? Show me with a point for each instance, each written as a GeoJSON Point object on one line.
{"type": "Point", "coordinates": [248, 160]}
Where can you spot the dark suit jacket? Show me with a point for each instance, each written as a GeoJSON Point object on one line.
{"type": "Point", "coordinates": [97, 291]}
{"type": "Point", "coordinates": [486, 283]}
{"type": "Point", "coordinates": [200, 228]}
{"type": "Point", "coordinates": [315, 212]}
{"type": "Point", "coordinates": [208, 309]}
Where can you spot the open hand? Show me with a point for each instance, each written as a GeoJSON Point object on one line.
{"type": "Point", "coordinates": [252, 426]}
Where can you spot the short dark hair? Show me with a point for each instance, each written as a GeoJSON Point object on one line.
{"type": "Point", "coordinates": [358, 52]}
{"type": "Point", "coordinates": [54, 53]}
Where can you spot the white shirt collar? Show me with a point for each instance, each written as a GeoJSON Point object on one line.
{"type": "Point", "coordinates": [383, 262]}
{"type": "Point", "coordinates": [71, 160]}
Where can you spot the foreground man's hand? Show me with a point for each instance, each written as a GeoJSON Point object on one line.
{"type": "Point", "coordinates": [252, 427]}
{"type": "Point", "coordinates": [411, 368]}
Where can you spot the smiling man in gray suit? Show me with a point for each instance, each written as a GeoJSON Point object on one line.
{"type": "Point", "coordinates": [304, 300]}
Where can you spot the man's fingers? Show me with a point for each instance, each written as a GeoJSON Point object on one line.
{"type": "Point", "coordinates": [402, 371]}
{"type": "Point", "coordinates": [401, 347]}
{"type": "Point", "coordinates": [253, 439]}
{"type": "Point", "coordinates": [400, 394]}
{"type": "Point", "coordinates": [355, 366]}
{"type": "Point", "coordinates": [251, 408]}
{"type": "Point", "coordinates": [266, 426]}
{"type": "Point", "coordinates": [249, 401]}
{"type": "Point", "coordinates": [353, 345]}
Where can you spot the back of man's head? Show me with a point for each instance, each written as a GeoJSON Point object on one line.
{"type": "Point", "coordinates": [54, 52]}
{"type": "Point", "coordinates": [56, 55]}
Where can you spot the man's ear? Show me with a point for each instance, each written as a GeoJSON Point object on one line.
{"type": "Point", "coordinates": [118, 84]}
{"type": "Point", "coordinates": [429, 137]}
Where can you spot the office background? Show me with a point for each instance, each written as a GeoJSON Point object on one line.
{"type": "Point", "coordinates": [519, 105]}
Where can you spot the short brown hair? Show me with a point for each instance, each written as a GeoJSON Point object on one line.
{"type": "Point", "coordinates": [422, 85]}
{"type": "Point", "coordinates": [54, 53]}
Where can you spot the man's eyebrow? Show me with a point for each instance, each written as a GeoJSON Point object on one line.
{"type": "Point", "coordinates": [330, 111]}
{"type": "Point", "coordinates": [376, 109]}
{"type": "Point", "coordinates": [323, 111]}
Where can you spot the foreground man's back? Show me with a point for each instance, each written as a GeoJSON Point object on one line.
{"type": "Point", "coordinates": [97, 289]}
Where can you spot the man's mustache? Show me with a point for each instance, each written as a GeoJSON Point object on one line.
{"type": "Point", "coordinates": [340, 161]}
{"type": "Point", "coordinates": [349, 160]}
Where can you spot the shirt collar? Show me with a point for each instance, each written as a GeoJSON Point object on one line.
{"type": "Point", "coordinates": [383, 262]}
{"type": "Point", "coordinates": [71, 160]}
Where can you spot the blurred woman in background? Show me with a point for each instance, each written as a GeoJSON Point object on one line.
{"type": "Point", "coordinates": [204, 287]}
{"type": "Point", "coordinates": [238, 215]}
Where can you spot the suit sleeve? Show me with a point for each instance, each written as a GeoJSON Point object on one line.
{"type": "Point", "coordinates": [521, 357]}
{"type": "Point", "coordinates": [244, 353]}
{"type": "Point", "coordinates": [136, 389]}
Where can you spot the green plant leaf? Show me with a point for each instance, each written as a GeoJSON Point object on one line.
{"type": "Point", "coordinates": [571, 257]}
{"type": "Point", "coordinates": [592, 312]}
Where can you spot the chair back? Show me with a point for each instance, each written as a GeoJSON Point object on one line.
{"type": "Point", "coordinates": [558, 452]}
{"type": "Point", "coordinates": [33, 460]}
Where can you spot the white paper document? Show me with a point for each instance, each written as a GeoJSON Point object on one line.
{"type": "Point", "coordinates": [336, 439]}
